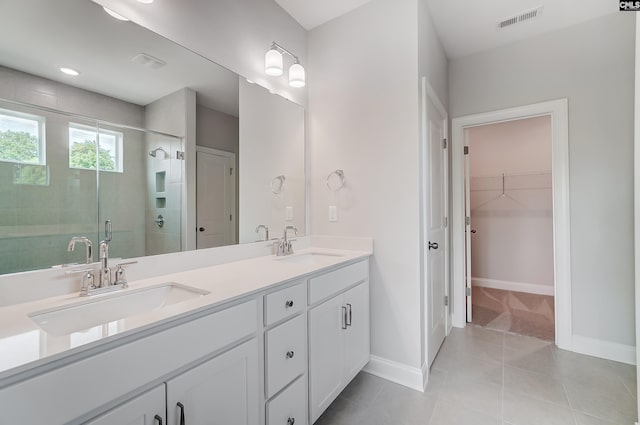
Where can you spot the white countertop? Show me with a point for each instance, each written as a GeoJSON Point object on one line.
{"type": "Point", "coordinates": [24, 345]}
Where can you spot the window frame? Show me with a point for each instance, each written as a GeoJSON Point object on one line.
{"type": "Point", "coordinates": [42, 143]}
{"type": "Point", "coordinates": [98, 131]}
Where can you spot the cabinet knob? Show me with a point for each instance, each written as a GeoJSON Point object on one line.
{"type": "Point", "coordinates": [289, 303]}
{"type": "Point", "coordinates": [290, 354]}
{"type": "Point", "coordinates": [291, 421]}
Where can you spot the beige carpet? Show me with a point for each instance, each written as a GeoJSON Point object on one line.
{"type": "Point", "coordinates": [517, 312]}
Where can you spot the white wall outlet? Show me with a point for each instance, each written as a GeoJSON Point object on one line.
{"type": "Point", "coordinates": [288, 212]}
{"type": "Point", "coordinates": [333, 213]}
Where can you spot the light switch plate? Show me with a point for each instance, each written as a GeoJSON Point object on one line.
{"type": "Point", "coordinates": [288, 213]}
{"type": "Point", "coordinates": [333, 213]}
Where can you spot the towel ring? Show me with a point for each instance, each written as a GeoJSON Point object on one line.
{"type": "Point", "coordinates": [340, 183]}
{"type": "Point", "coordinates": [277, 184]}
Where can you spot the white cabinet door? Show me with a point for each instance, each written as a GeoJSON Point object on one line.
{"type": "Point", "coordinates": [221, 391]}
{"type": "Point", "coordinates": [357, 350]}
{"type": "Point", "coordinates": [326, 353]}
{"type": "Point", "coordinates": [146, 409]}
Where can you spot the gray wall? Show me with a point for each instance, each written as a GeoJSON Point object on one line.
{"type": "Point", "coordinates": [363, 118]}
{"type": "Point", "coordinates": [591, 64]}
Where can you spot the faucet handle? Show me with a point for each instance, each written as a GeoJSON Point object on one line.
{"type": "Point", "coordinates": [120, 277]}
{"type": "Point", "coordinates": [87, 280]}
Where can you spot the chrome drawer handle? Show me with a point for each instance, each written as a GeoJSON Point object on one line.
{"type": "Point", "coordinates": [349, 315]}
{"type": "Point", "coordinates": [344, 317]}
{"type": "Point", "coordinates": [158, 419]}
{"type": "Point", "coordinates": [291, 421]}
{"type": "Point", "coordinates": [289, 304]}
{"type": "Point", "coordinates": [181, 406]}
{"type": "Point", "coordinates": [290, 354]}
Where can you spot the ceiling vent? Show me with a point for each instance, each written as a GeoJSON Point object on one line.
{"type": "Point", "coordinates": [148, 61]}
{"type": "Point", "coordinates": [527, 15]}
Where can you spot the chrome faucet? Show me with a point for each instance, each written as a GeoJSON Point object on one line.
{"type": "Point", "coordinates": [284, 245]}
{"type": "Point", "coordinates": [266, 231]}
{"type": "Point", "coordinates": [87, 244]}
{"type": "Point", "coordinates": [105, 282]}
{"type": "Point", "coordinates": [105, 272]}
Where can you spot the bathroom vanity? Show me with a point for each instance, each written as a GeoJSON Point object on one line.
{"type": "Point", "coordinates": [268, 340]}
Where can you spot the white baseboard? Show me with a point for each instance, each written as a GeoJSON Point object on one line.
{"type": "Point", "coordinates": [604, 349]}
{"type": "Point", "coordinates": [411, 377]}
{"type": "Point", "coordinates": [529, 288]}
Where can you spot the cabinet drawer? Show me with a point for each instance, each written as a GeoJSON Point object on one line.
{"type": "Point", "coordinates": [290, 407]}
{"type": "Point", "coordinates": [284, 303]}
{"type": "Point", "coordinates": [286, 354]}
{"type": "Point", "coordinates": [324, 286]}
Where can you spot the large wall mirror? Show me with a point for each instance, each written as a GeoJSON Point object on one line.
{"type": "Point", "coordinates": [101, 119]}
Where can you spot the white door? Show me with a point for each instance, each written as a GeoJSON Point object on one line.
{"type": "Point", "coordinates": [215, 200]}
{"type": "Point", "coordinates": [467, 230]}
{"type": "Point", "coordinates": [222, 391]}
{"type": "Point", "coordinates": [147, 409]}
{"type": "Point", "coordinates": [436, 208]}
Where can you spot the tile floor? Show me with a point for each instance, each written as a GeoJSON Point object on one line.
{"type": "Point", "coordinates": [516, 312]}
{"type": "Point", "coordinates": [487, 377]}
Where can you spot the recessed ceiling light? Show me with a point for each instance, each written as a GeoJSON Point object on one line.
{"type": "Point", "coordinates": [114, 14]}
{"type": "Point", "coordinates": [146, 1]}
{"type": "Point", "coordinates": [69, 71]}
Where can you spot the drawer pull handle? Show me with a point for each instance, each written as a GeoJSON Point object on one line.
{"type": "Point", "coordinates": [344, 317]}
{"type": "Point", "coordinates": [290, 354]}
{"type": "Point", "coordinates": [289, 304]}
{"type": "Point", "coordinates": [291, 421]}
{"type": "Point", "coordinates": [158, 419]}
{"type": "Point", "coordinates": [181, 406]}
{"type": "Point", "coordinates": [349, 314]}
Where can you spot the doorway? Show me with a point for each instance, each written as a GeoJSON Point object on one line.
{"type": "Point", "coordinates": [509, 247]}
{"type": "Point", "coordinates": [462, 291]}
{"type": "Point", "coordinates": [216, 204]}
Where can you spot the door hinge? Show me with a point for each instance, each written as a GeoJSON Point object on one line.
{"type": "Point", "coordinates": [180, 155]}
{"type": "Point", "coordinates": [445, 221]}
{"type": "Point", "coordinates": [231, 171]}
{"type": "Point", "coordinates": [446, 300]}
{"type": "Point", "coordinates": [467, 221]}
{"type": "Point", "coordinates": [444, 143]}
{"type": "Point", "coordinates": [466, 150]}
{"type": "Point", "coordinates": [467, 292]}
{"type": "Point", "coordinates": [230, 217]}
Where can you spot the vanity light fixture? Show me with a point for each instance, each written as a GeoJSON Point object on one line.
{"type": "Point", "coordinates": [146, 1]}
{"type": "Point", "coordinates": [114, 14]}
{"type": "Point", "coordinates": [69, 71]}
{"type": "Point", "coordinates": [273, 65]}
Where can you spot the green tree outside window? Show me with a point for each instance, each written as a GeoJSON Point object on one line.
{"type": "Point", "coordinates": [83, 155]}
{"type": "Point", "coordinates": [19, 146]}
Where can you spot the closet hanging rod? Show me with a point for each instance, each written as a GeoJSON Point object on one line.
{"type": "Point", "coordinates": [493, 176]}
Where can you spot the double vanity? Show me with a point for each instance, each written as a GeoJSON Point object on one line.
{"type": "Point", "coordinates": [267, 340]}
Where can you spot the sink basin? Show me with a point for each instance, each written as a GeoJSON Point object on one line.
{"type": "Point", "coordinates": [310, 258]}
{"type": "Point", "coordinates": [105, 309]}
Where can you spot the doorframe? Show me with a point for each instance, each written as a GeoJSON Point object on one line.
{"type": "Point", "coordinates": [558, 111]}
{"type": "Point", "coordinates": [232, 157]}
{"type": "Point", "coordinates": [427, 92]}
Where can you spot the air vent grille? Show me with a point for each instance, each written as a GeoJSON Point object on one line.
{"type": "Point", "coordinates": [148, 61]}
{"type": "Point", "coordinates": [520, 17]}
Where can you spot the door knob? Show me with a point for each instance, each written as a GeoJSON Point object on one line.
{"type": "Point", "coordinates": [201, 229]}
{"type": "Point", "coordinates": [433, 245]}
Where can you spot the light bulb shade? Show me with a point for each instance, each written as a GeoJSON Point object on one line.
{"type": "Point", "coordinates": [297, 76]}
{"type": "Point", "coordinates": [273, 63]}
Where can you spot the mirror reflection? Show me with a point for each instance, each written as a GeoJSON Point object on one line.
{"type": "Point", "coordinates": [101, 119]}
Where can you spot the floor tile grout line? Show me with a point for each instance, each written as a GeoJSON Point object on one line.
{"type": "Point", "coordinates": [573, 414]}
{"type": "Point", "coordinates": [626, 387]}
{"type": "Point", "coordinates": [504, 343]}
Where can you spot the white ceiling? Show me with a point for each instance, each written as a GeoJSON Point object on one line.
{"type": "Point", "coordinates": [39, 36]}
{"type": "Point", "coordinates": [469, 26]}
{"type": "Point", "coordinates": [311, 13]}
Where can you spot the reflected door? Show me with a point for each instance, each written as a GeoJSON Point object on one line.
{"type": "Point", "coordinates": [215, 211]}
